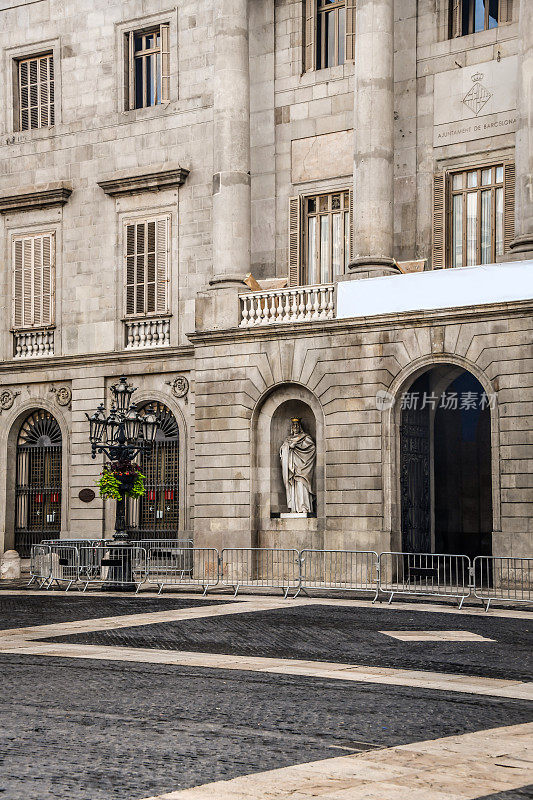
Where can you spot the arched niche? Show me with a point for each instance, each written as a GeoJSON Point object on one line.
{"type": "Point", "coordinates": [270, 426]}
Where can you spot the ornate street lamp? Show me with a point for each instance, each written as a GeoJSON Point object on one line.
{"type": "Point", "coordinates": [122, 435]}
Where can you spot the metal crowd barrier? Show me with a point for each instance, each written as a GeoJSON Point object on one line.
{"type": "Point", "coordinates": [350, 570]}
{"type": "Point", "coordinates": [260, 567]}
{"type": "Point", "coordinates": [117, 565]}
{"type": "Point", "coordinates": [64, 565]}
{"type": "Point", "coordinates": [433, 574]}
{"type": "Point", "coordinates": [503, 578]}
{"type": "Point", "coordinates": [181, 566]}
{"type": "Point", "coordinates": [40, 564]}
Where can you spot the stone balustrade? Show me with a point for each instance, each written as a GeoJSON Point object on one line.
{"type": "Point", "coordinates": [34, 343]}
{"type": "Point", "coordinates": [300, 304]}
{"type": "Point", "coordinates": [142, 333]}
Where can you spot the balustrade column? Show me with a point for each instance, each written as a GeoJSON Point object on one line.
{"type": "Point", "coordinates": [231, 143]}
{"type": "Point", "coordinates": [374, 140]}
{"type": "Point", "coordinates": [522, 246]}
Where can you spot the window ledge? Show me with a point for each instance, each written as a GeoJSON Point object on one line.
{"type": "Point", "coordinates": [47, 196]}
{"type": "Point", "coordinates": [121, 184]}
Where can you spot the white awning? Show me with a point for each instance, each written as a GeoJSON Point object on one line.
{"type": "Point", "coordinates": [443, 288]}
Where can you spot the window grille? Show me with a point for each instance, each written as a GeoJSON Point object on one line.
{"type": "Point", "coordinates": [473, 215]}
{"type": "Point", "coordinates": [146, 254]}
{"type": "Point", "coordinates": [329, 33]}
{"type": "Point", "coordinates": [33, 280]}
{"type": "Point", "coordinates": [36, 92]}
{"type": "Point", "coordinates": [148, 75]}
{"type": "Point", "coordinates": [156, 514]}
{"type": "Point", "coordinates": [38, 481]}
{"type": "Point", "coordinates": [320, 237]}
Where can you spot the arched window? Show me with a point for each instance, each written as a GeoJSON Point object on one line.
{"type": "Point", "coordinates": [156, 515]}
{"type": "Point", "coordinates": [38, 481]}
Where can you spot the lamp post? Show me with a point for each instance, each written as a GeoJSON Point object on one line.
{"type": "Point", "coordinates": [121, 435]}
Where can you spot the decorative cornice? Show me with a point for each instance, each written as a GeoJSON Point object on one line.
{"type": "Point", "coordinates": [29, 199]}
{"type": "Point", "coordinates": [120, 184]}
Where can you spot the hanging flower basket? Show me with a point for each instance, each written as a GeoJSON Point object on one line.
{"type": "Point", "coordinates": [121, 478]}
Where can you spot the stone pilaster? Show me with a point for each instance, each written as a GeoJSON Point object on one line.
{"type": "Point", "coordinates": [374, 140]}
{"type": "Point", "coordinates": [86, 519]}
{"type": "Point", "coordinates": [522, 247]}
{"type": "Point", "coordinates": [231, 144]}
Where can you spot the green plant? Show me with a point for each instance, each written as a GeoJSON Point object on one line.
{"type": "Point", "coordinates": [121, 477]}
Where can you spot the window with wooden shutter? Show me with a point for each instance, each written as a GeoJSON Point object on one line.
{"type": "Point", "coordinates": [473, 215]}
{"type": "Point", "coordinates": [509, 183]}
{"type": "Point", "coordinates": [472, 16]}
{"type": "Point", "coordinates": [146, 255]}
{"type": "Point", "coordinates": [148, 67]}
{"type": "Point", "coordinates": [439, 221]}
{"type": "Point", "coordinates": [33, 281]}
{"type": "Point", "coordinates": [329, 33]}
{"type": "Point", "coordinates": [36, 92]}
{"type": "Point", "coordinates": [294, 241]}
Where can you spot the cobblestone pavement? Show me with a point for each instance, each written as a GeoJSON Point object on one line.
{"type": "Point", "coordinates": [21, 611]}
{"type": "Point", "coordinates": [344, 635]}
{"type": "Point", "coordinates": [105, 730]}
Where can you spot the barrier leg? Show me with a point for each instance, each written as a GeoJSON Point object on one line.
{"type": "Point", "coordinates": [137, 589]}
{"type": "Point", "coordinates": [160, 589]}
{"type": "Point", "coordinates": [236, 590]}
{"type": "Point", "coordinates": [375, 596]}
{"type": "Point", "coordinates": [462, 599]}
{"type": "Point", "coordinates": [389, 601]}
{"type": "Point", "coordinates": [488, 604]}
{"type": "Point", "coordinates": [205, 591]}
{"type": "Point", "coordinates": [286, 592]}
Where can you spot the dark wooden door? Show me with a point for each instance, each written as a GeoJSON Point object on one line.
{"type": "Point", "coordinates": [415, 479]}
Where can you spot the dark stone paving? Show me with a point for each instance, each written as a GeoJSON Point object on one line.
{"type": "Point", "coordinates": [525, 793]}
{"type": "Point", "coordinates": [22, 611]}
{"type": "Point", "coordinates": [96, 730]}
{"type": "Point", "coordinates": [344, 635]}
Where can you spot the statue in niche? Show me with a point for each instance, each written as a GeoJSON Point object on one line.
{"type": "Point", "coordinates": [298, 457]}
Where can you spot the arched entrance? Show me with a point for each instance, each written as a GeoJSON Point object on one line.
{"type": "Point", "coordinates": [156, 514]}
{"type": "Point", "coordinates": [38, 481]}
{"type": "Point", "coordinates": [445, 464]}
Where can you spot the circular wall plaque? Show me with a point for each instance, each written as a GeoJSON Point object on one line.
{"type": "Point", "coordinates": [86, 495]}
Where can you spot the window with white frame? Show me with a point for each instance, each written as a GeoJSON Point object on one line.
{"type": "Point", "coordinates": [36, 92]}
{"type": "Point", "coordinates": [146, 266]}
{"type": "Point", "coordinates": [148, 67]}
{"type": "Point", "coordinates": [320, 233]}
{"type": "Point", "coordinates": [33, 280]}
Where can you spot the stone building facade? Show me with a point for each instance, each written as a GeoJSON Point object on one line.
{"type": "Point", "coordinates": [154, 155]}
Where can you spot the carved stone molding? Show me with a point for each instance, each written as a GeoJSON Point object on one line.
{"type": "Point", "coordinates": [63, 395]}
{"type": "Point", "coordinates": [153, 181]}
{"type": "Point", "coordinates": [30, 199]}
{"type": "Point", "coordinates": [179, 386]}
{"type": "Point", "coordinates": [7, 398]}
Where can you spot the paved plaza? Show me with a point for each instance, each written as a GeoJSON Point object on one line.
{"type": "Point", "coordinates": [179, 697]}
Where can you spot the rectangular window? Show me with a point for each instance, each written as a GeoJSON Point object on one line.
{"type": "Point", "coordinates": [472, 16]}
{"type": "Point", "coordinates": [477, 225]}
{"type": "Point", "coordinates": [146, 256]}
{"type": "Point", "coordinates": [148, 67]}
{"type": "Point", "coordinates": [326, 237]}
{"type": "Point", "coordinates": [36, 92]}
{"type": "Point", "coordinates": [33, 280]}
{"type": "Point", "coordinates": [329, 33]}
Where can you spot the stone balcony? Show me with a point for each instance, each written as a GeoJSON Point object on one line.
{"type": "Point", "coordinates": [35, 343]}
{"type": "Point", "coordinates": [298, 304]}
{"type": "Point", "coordinates": [146, 333]}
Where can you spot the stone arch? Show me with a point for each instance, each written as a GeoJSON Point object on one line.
{"type": "Point", "coordinates": [269, 419]}
{"type": "Point", "coordinates": [13, 422]}
{"type": "Point", "coordinates": [450, 367]}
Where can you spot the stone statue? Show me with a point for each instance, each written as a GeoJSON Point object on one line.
{"type": "Point", "coordinates": [298, 456]}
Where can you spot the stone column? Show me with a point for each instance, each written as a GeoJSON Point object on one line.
{"type": "Point", "coordinates": [231, 145]}
{"type": "Point", "coordinates": [374, 140]}
{"type": "Point", "coordinates": [522, 246]}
